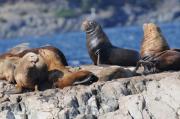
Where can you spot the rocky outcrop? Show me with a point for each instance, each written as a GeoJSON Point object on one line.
{"type": "Point", "coordinates": [154, 96]}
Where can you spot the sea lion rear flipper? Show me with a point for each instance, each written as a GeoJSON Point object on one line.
{"type": "Point", "coordinates": [76, 78]}
{"type": "Point", "coordinates": [86, 81]}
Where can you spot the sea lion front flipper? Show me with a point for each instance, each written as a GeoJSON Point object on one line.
{"type": "Point", "coordinates": [142, 62]}
{"type": "Point", "coordinates": [15, 90]}
{"type": "Point", "coordinates": [98, 57]}
{"type": "Point", "coordinates": [137, 66]}
{"type": "Point", "coordinates": [100, 54]}
{"type": "Point", "coordinates": [147, 63]}
{"type": "Point", "coordinates": [149, 66]}
{"type": "Point", "coordinates": [36, 88]}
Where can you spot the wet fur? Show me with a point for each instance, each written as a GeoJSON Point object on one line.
{"type": "Point", "coordinates": [102, 51]}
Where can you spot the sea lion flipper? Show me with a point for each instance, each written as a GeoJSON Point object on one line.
{"type": "Point", "coordinates": [75, 78]}
{"type": "Point", "coordinates": [137, 66]}
{"type": "Point", "coordinates": [98, 57]}
{"type": "Point", "coordinates": [149, 66]}
{"type": "Point", "coordinates": [86, 81]}
{"type": "Point", "coordinates": [36, 88]}
{"type": "Point", "coordinates": [147, 63]}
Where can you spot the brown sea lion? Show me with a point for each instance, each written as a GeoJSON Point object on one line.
{"type": "Point", "coordinates": [56, 62]}
{"type": "Point", "coordinates": [30, 72]}
{"type": "Point", "coordinates": [155, 53]}
{"type": "Point", "coordinates": [56, 53]}
{"type": "Point", "coordinates": [7, 71]}
{"type": "Point", "coordinates": [61, 75]}
{"type": "Point", "coordinates": [102, 51]}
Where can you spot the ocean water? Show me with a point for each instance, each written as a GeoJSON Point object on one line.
{"type": "Point", "coordinates": [73, 44]}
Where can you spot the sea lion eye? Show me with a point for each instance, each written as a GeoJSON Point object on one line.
{"type": "Point", "coordinates": [91, 23]}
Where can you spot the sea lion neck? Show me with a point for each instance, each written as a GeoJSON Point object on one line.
{"type": "Point", "coordinates": [94, 32]}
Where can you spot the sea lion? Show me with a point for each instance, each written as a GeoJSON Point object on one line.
{"type": "Point", "coordinates": [61, 75]}
{"type": "Point", "coordinates": [156, 55]}
{"type": "Point", "coordinates": [101, 50]}
{"type": "Point", "coordinates": [30, 72]}
{"type": "Point", "coordinates": [7, 71]}
{"type": "Point", "coordinates": [56, 63]}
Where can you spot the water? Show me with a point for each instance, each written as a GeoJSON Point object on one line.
{"type": "Point", "coordinates": [73, 44]}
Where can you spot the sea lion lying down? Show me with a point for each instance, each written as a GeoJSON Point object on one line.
{"type": "Point", "coordinates": [33, 65]}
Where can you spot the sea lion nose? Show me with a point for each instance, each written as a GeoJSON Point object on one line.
{"type": "Point", "coordinates": [34, 58]}
{"type": "Point", "coordinates": [84, 25]}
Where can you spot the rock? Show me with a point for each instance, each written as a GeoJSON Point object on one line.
{"type": "Point", "coordinates": [92, 106]}
{"type": "Point", "coordinates": [157, 102]}
{"type": "Point", "coordinates": [154, 96]}
{"type": "Point", "coordinates": [2, 85]}
{"type": "Point", "coordinates": [3, 114]}
{"type": "Point", "coordinates": [88, 116]}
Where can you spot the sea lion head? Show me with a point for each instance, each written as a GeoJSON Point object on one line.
{"type": "Point", "coordinates": [89, 25]}
{"type": "Point", "coordinates": [31, 58]}
{"type": "Point", "coordinates": [151, 29]}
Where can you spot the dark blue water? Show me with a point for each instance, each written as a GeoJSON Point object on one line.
{"type": "Point", "coordinates": [73, 44]}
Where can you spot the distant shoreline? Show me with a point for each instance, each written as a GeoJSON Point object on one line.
{"type": "Point", "coordinates": [40, 18]}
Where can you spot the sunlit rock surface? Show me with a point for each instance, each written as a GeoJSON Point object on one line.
{"type": "Point", "coordinates": [155, 96]}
